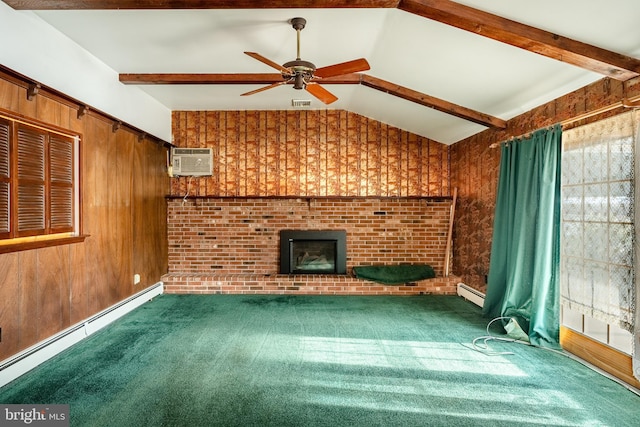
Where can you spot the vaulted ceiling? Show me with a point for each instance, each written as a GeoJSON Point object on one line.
{"type": "Point", "coordinates": [441, 69]}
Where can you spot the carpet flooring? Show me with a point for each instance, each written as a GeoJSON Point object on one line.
{"type": "Point", "coordinates": [238, 360]}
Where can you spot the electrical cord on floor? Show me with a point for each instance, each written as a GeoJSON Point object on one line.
{"type": "Point", "coordinates": [489, 337]}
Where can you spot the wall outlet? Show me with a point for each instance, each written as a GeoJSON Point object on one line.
{"type": "Point", "coordinates": [136, 279]}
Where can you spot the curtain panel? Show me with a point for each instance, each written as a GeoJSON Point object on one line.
{"type": "Point", "coordinates": [523, 280]}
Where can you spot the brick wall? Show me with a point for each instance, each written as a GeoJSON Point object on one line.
{"type": "Point", "coordinates": [232, 244]}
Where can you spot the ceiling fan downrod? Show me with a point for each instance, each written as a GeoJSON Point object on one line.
{"type": "Point", "coordinates": [302, 70]}
{"type": "Point", "coordinates": [298, 24]}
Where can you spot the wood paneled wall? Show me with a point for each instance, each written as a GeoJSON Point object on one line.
{"type": "Point", "coordinates": [44, 291]}
{"type": "Point", "coordinates": [475, 168]}
{"type": "Point", "coordinates": [309, 153]}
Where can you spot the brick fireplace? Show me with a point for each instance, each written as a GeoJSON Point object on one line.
{"type": "Point", "coordinates": [231, 245]}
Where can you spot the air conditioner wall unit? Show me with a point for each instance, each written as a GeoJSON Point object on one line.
{"type": "Point", "coordinates": [192, 161]}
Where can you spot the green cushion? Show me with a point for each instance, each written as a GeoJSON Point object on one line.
{"type": "Point", "coordinates": [394, 274]}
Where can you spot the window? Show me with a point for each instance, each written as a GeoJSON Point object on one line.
{"type": "Point", "coordinates": [598, 232]}
{"type": "Point", "coordinates": [38, 182]}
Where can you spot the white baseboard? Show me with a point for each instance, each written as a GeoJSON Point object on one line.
{"type": "Point", "coordinates": [471, 294]}
{"type": "Point", "coordinates": [26, 360]}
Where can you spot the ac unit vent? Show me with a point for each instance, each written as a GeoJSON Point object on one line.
{"type": "Point", "coordinates": [299, 103]}
{"type": "Point", "coordinates": [192, 161]}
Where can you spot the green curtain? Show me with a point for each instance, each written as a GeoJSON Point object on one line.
{"type": "Point", "coordinates": [523, 280]}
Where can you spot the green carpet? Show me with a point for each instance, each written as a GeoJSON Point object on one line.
{"type": "Point", "coordinates": [234, 360]}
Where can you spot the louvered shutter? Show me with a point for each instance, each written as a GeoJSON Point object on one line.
{"type": "Point", "coordinates": [31, 182]}
{"type": "Point", "coordinates": [38, 191]}
{"type": "Point", "coordinates": [61, 183]}
{"type": "Point", "coordinates": [5, 175]}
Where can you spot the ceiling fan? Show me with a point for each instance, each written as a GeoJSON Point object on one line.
{"type": "Point", "coordinates": [304, 74]}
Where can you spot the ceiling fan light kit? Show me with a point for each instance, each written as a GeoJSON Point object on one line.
{"type": "Point", "coordinates": [304, 74]}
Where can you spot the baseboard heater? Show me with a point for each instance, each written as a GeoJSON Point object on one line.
{"type": "Point", "coordinates": [23, 362]}
{"type": "Point", "coordinates": [470, 294]}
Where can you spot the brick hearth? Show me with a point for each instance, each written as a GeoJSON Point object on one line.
{"type": "Point", "coordinates": [300, 284]}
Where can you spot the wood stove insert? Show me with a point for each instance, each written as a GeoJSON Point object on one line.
{"type": "Point", "coordinates": [313, 252]}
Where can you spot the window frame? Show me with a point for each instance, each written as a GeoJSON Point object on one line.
{"type": "Point", "coordinates": [57, 180]}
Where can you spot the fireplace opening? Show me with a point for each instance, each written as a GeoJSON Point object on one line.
{"type": "Point", "coordinates": [313, 252]}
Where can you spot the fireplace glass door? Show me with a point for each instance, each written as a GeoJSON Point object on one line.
{"type": "Point", "coordinates": [316, 256]}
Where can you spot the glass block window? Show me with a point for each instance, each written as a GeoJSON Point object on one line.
{"type": "Point", "coordinates": [598, 233]}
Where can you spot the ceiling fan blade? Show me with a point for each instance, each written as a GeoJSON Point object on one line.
{"type": "Point", "coordinates": [269, 62]}
{"type": "Point", "coordinates": [321, 93]}
{"type": "Point", "coordinates": [354, 66]}
{"type": "Point", "coordinates": [271, 86]}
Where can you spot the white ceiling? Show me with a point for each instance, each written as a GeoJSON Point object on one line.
{"type": "Point", "coordinates": [403, 48]}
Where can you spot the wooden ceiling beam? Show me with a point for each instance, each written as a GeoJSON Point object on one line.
{"type": "Point", "coordinates": [605, 62]}
{"type": "Point", "coordinates": [196, 4]}
{"type": "Point", "coordinates": [433, 102]}
{"type": "Point", "coordinates": [353, 78]}
{"type": "Point", "coordinates": [195, 79]}
{"type": "Point", "coordinates": [223, 79]}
